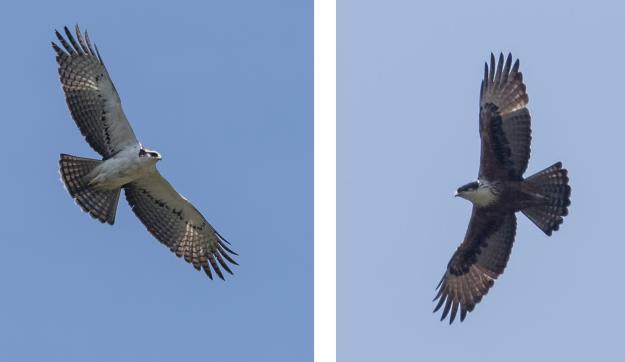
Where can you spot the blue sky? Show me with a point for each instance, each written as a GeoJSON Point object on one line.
{"type": "Point", "coordinates": [223, 91]}
{"type": "Point", "coordinates": [408, 76]}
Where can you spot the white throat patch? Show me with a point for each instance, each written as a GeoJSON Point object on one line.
{"type": "Point", "coordinates": [483, 196]}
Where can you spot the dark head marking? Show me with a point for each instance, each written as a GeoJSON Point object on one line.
{"type": "Point", "coordinates": [471, 186]}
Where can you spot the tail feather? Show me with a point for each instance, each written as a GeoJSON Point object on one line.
{"type": "Point", "coordinates": [553, 184]}
{"type": "Point", "coordinates": [100, 204]}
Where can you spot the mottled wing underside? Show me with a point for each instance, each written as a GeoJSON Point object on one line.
{"type": "Point", "coordinates": [505, 123]}
{"type": "Point", "coordinates": [176, 223]}
{"type": "Point", "coordinates": [477, 262]}
{"type": "Point", "coordinates": [91, 95]}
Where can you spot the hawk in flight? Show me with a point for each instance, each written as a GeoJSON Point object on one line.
{"type": "Point", "coordinates": [500, 191]}
{"type": "Point", "coordinates": [96, 184]}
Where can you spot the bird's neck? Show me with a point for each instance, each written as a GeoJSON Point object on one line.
{"type": "Point", "coordinates": [485, 195]}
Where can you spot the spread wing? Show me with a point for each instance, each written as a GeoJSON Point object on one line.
{"type": "Point", "coordinates": [91, 95]}
{"type": "Point", "coordinates": [505, 123]}
{"type": "Point", "coordinates": [477, 262]}
{"type": "Point", "coordinates": [171, 219]}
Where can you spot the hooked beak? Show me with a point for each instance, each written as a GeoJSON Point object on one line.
{"type": "Point", "coordinates": [456, 194]}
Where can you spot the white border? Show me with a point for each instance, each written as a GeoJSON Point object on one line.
{"type": "Point", "coordinates": [325, 180]}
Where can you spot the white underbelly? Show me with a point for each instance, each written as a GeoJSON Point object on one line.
{"type": "Point", "coordinates": [116, 172]}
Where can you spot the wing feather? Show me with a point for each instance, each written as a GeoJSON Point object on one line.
{"type": "Point", "coordinates": [172, 220]}
{"type": "Point", "coordinates": [505, 122]}
{"type": "Point", "coordinates": [477, 262]}
{"type": "Point", "coordinates": [91, 96]}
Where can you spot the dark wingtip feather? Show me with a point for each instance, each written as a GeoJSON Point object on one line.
{"type": "Point", "coordinates": [89, 43]}
{"type": "Point", "coordinates": [498, 72]}
{"type": "Point", "coordinates": [98, 53]}
{"type": "Point", "coordinates": [447, 308]}
{"type": "Point", "coordinates": [58, 50]}
{"type": "Point", "coordinates": [440, 291]}
{"type": "Point", "coordinates": [223, 263]}
{"type": "Point", "coordinates": [506, 68]}
{"type": "Point", "coordinates": [515, 67]}
{"type": "Point", "coordinates": [439, 304]}
{"type": "Point", "coordinates": [64, 43]}
{"type": "Point", "coordinates": [220, 274]}
{"type": "Point", "coordinates": [81, 40]}
{"type": "Point", "coordinates": [221, 237]}
{"type": "Point", "coordinates": [71, 39]}
{"type": "Point", "coordinates": [207, 270]}
{"type": "Point", "coordinates": [225, 255]}
{"type": "Point", "coordinates": [491, 73]}
{"type": "Point", "coordinates": [228, 249]}
{"type": "Point", "coordinates": [220, 240]}
{"type": "Point", "coordinates": [454, 311]}
{"type": "Point", "coordinates": [213, 263]}
{"type": "Point", "coordinates": [441, 281]}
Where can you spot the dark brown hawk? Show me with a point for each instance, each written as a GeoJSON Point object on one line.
{"type": "Point", "coordinates": [500, 192]}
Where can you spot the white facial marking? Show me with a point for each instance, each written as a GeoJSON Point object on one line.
{"type": "Point", "coordinates": [482, 196]}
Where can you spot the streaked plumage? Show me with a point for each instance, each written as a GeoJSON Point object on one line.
{"type": "Point", "coordinates": [96, 184]}
{"type": "Point", "coordinates": [500, 192]}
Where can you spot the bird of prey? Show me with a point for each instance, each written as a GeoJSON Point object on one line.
{"type": "Point", "coordinates": [500, 191]}
{"type": "Point", "coordinates": [95, 185]}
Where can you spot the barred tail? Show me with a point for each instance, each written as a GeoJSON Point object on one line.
{"type": "Point", "coordinates": [553, 184]}
{"type": "Point", "coordinates": [100, 204]}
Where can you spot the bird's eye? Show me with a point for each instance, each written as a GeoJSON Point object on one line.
{"type": "Point", "coordinates": [142, 152]}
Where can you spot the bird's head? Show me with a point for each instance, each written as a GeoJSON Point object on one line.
{"type": "Point", "coordinates": [479, 193]}
{"type": "Point", "coordinates": [468, 189]}
{"type": "Point", "coordinates": [144, 152]}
